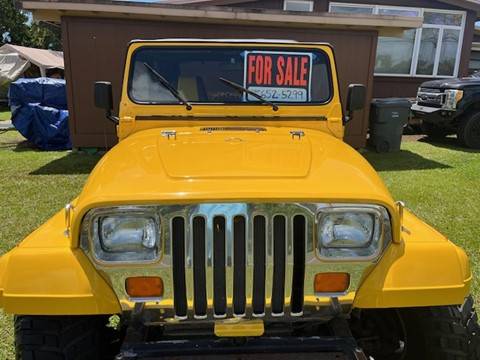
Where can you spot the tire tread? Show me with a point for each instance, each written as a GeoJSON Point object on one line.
{"type": "Point", "coordinates": [447, 332]}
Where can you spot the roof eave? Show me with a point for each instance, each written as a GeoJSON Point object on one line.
{"type": "Point", "coordinates": [54, 10]}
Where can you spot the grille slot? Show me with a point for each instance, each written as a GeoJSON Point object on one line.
{"type": "Point", "coordinates": [199, 277]}
{"type": "Point", "coordinates": [178, 262]}
{"type": "Point", "coordinates": [259, 234]}
{"type": "Point", "coordinates": [239, 268]}
{"type": "Point", "coordinates": [279, 253]}
{"type": "Point", "coordinates": [299, 232]}
{"type": "Point", "coordinates": [219, 279]}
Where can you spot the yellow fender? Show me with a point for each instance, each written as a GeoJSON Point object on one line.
{"type": "Point", "coordinates": [44, 275]}
{"type": "Point", "coordinates": [424, 269]}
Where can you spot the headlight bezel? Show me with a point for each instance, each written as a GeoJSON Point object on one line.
{"type": "Point", "coordinates": [382, 227]}
{"type": "Point", "coordinates": [91, 241]}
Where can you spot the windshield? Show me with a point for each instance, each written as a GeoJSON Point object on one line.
{"type": "Point", "coordinates": [276, 76]}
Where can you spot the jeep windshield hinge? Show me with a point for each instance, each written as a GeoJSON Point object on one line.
{"type": "Point", "coordinates": [113, 118]}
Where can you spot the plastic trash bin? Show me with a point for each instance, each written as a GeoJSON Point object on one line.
{"type": "Point", "coordinates": [388, 117]}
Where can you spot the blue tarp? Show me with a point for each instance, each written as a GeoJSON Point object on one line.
{"type": "Point", "coordinates": [39, 112]}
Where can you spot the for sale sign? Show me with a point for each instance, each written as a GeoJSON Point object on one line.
{"type": "Point", "coordinates": [279, 76]}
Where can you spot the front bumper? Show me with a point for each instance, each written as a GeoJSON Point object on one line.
{"type": "Point", "coordinates": [314, 347]}
{"type": "Point", "coordinates": [421, 109]}
{"type": "Point", "coordinates": [435, 115]}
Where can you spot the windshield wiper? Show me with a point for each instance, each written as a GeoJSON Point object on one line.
{"type": "Point", "coordinates": [164, 82]}
{"type": "Point", "coordinates": [249, 92]}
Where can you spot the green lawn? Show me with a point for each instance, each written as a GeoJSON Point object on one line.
{"type": "Point", "coordinates": [440, 183]}
{"type": "Point", "coordinates": [5, 115]}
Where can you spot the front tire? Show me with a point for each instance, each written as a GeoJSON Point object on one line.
{"type": "Point", "coordinates": [63, 338]}
{"type": "Point", "coordinates": [468, 132]}
{"type": "Point", "coordinates": [437, 333]}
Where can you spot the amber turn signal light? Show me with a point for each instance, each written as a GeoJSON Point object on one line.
{"type": "Point", "coordinates": [334, 282]}
{"type": "Point", "coordinates": [144, 287]}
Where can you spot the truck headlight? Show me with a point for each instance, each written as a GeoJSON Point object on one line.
{"type": "Point", "coordinates": [452, 98]}
{"type": "Point", "coordinates": [124, 235]}
{"type": "Point", "coordinates": [352, 232]}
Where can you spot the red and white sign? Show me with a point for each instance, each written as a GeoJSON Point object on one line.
{"type": "Point", "coordinates": [279, 76]}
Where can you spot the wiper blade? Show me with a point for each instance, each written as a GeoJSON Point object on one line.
{"type": "Point", "coordinates": [249, 92]}
{"type": "Point", "coordinates": [164, 82]}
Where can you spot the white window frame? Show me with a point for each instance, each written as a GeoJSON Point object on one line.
{"type": "Point", "coordinates": [418, 37]}
{"type": "Point", "coordinates": [309, 2]}
{"type": "Point", "coordinates": [368, 6]}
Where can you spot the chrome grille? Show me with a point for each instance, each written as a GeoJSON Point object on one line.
{"type": "Point", "coordinates": [187, 256]}
{"type": "Point", "coordinates": [430, 97]}
{"type": "Point", "coordinates": [249, 260]}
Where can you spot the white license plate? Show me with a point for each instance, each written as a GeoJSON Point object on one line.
{"type": "Point", "coordinates": [279, 94]}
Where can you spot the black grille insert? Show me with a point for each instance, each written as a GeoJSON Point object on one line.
{"type": "Point", "coordinates": [199, 277]}
{"type": "Point", "coordinates": [279, 243]}
{"type": "Point", "coordinates": [178, 262]}
{"type": "Point", "coordinates": [299, 231]}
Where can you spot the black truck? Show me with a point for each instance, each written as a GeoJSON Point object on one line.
{"type": "Point", "coordinates": [451, 106]}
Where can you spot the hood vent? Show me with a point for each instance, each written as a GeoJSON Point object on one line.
{"type": "Point", "coordinates": [233, 128]}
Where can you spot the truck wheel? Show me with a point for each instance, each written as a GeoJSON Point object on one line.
{"type": "Point", "coordinates": [440, 333]}
{"type": "Point", "coordinates": [433, 131]}
{"type": "Point", "coordinates": [64, 338]}
{"type": "Point", "coordinates": [468, 132]}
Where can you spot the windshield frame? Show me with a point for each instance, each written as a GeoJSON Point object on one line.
{"type": "Point", "coordinates": [248, 47]}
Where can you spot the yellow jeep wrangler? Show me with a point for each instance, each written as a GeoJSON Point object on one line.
{"type": "Point", "coordinates": [232, 219]}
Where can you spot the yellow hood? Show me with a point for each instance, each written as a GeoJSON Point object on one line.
{"type": "Point", "coordinates": [198, 165]}
{"type": "Point", "coordinates": [232, 154]}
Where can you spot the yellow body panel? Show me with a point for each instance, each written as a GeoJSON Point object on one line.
{"type": "Point", "coordinates": [49, 274]}
{"type": "Point", "coordinates": [45, 275]}
{"type": "Point", "coordinates": [425, 269]}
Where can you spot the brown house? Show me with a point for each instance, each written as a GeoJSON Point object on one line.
{"type": "Point", "coordinates": [96, 33]}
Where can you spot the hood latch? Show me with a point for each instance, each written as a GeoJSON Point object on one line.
{"type": "Point", "coordinates": [297, 134]}
{"type": "Point", "coordinates": [169, 134]}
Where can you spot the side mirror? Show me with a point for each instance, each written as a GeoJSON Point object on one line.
{"type": "Point", "coordinates": [104, 99]}
{"type": "Point", "coordinates": [357, 94]}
